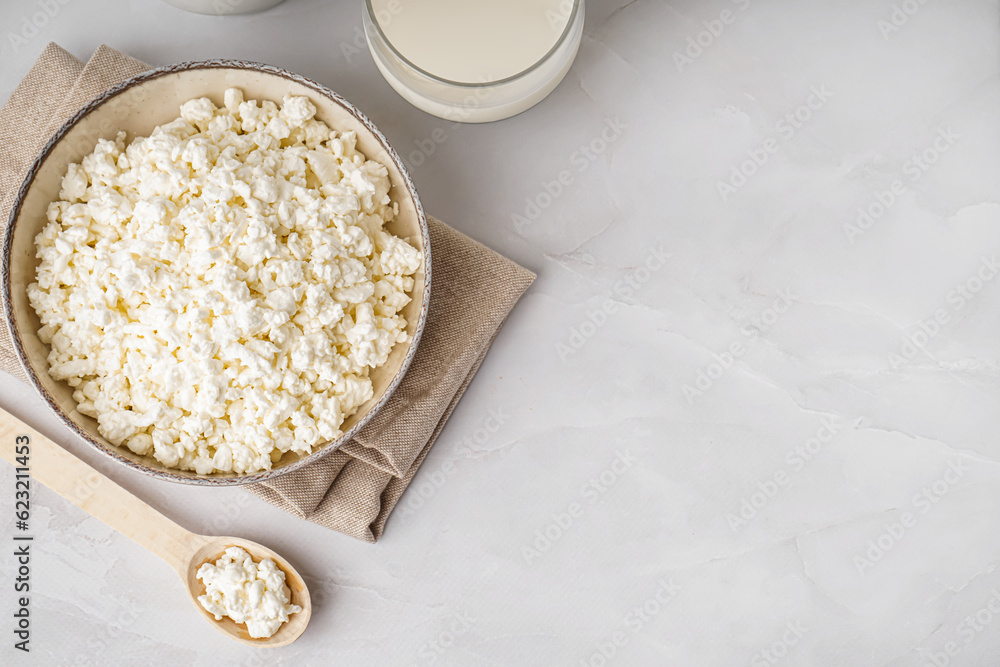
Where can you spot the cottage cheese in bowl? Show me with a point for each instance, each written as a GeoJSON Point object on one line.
{"type": "Point", "coordinates": [217, 293]}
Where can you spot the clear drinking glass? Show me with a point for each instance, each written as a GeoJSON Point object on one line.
{"type": "Point", "coordinates": [481, 102]}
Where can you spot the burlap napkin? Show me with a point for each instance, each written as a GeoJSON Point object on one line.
{"type": "Point", "coordinates": [354, 489]}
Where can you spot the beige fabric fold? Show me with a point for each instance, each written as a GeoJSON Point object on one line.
{"type": "Point", "coordinates": [352, 490]}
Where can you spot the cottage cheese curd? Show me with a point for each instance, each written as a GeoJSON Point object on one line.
{"type": "Point", "coordinates": [218, 292]}
{"type": "Point", "coordinates": [247, 592]}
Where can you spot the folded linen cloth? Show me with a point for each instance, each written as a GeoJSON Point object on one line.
{"type": "Point", "coordinates": [354, 489]}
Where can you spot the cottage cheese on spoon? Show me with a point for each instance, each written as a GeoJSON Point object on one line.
{"type": "Point", "coordinates": [247, 592]}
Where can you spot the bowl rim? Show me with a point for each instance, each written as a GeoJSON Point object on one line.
{"type": "Point", "coordinates": [29, 179]}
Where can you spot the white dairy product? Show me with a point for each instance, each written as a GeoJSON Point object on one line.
{"type": "Point", "coordinates": [472, 41]}
{"type": "Point", "coordinates": [247, 592]}
{"type": "Point", "coordinates": [218, 292]}
{"type": "Point", "coordinates": [474, 61]}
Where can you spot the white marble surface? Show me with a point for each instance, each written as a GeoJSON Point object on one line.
{"type": "Point", "coordinates": [761, 467]}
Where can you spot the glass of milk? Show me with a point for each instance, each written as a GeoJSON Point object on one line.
{"type": "Point", "coordinates": [474, 61]}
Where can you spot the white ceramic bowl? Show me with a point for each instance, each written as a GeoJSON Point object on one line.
{"type": "Point", "coordinates": [224, 7]}
{"type": "Point", "coordinates": [137, 106]}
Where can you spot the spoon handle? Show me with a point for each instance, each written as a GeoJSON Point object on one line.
{"type": "Point", "coordinates": [94, 493]}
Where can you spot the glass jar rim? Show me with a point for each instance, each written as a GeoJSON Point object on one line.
{"type": "Point", "coordinates": [573, 15]}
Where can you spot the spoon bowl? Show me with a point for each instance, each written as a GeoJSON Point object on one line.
{"type": "Point", "coordinates": [209, 551]}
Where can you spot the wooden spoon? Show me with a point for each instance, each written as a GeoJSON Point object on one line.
{"type": "Point", "coordinates": [185, 551]}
